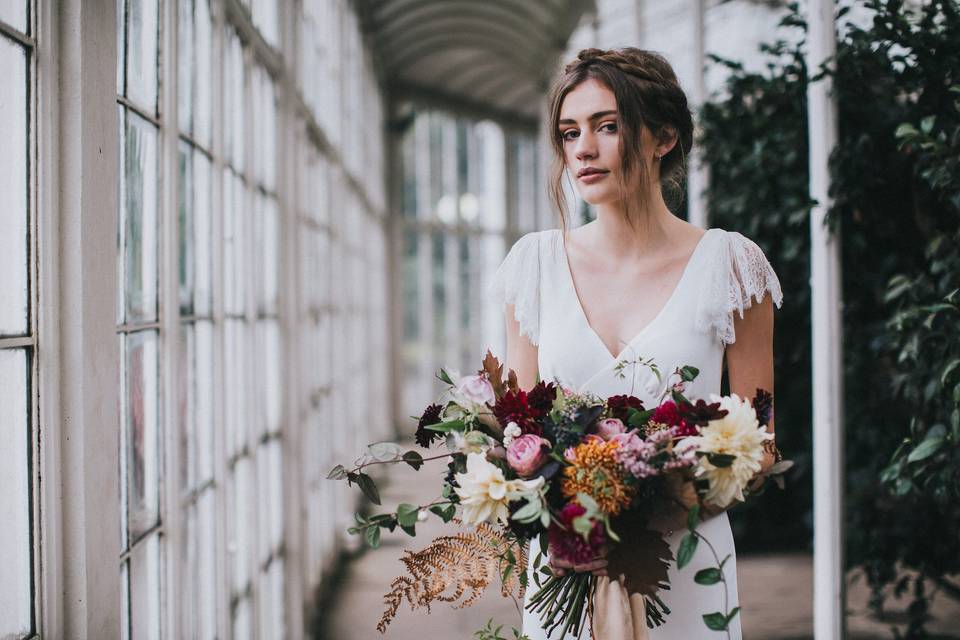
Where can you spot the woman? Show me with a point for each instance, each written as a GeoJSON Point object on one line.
{"type": "Point", "coordinates": [586, 307]}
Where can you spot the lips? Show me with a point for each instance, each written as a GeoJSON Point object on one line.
{"type": "Point", "coordinates": [589, 171]}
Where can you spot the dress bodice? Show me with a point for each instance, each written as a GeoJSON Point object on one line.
{"type": "Point", "coordinates": [723, 275]}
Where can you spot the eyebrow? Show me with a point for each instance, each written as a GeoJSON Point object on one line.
{"type": "Point", "coordinates": [598, 114]}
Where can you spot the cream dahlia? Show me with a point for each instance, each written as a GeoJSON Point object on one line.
{"type": "Point", "coordinates": [736, 434]}
{"type": "Point", "coordinates": [485, 493]}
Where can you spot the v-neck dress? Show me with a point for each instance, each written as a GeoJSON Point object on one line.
{"type": "Point", "coordinates": [725, 273]}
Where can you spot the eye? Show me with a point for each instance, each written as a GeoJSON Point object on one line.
{"type": "Point", "coordinates": [564, 135]}
{"type": "Point", "coordinates": [610, 124]}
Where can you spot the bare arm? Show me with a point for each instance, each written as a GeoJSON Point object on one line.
{"type": "Point", "coordinates": [750, 358]}
{"type": "Point", "coordinates": [521, 353]}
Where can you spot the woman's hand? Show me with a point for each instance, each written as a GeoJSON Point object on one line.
{"type": "Point", "coordinates": [598, 566]}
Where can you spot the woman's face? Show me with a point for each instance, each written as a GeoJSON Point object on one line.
{"type": "Point", "coordinates": [590, 132]}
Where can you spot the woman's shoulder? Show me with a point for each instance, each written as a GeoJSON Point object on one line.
{"type": "Point", "coordinates": [739, 273]}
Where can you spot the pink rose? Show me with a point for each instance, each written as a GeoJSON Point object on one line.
{"type": "Point", "coordinates": [527, 454]}
{"type": "Point", "coordinates": [610, 427]}
{"type": "Point", "coordinates": [477, 389]}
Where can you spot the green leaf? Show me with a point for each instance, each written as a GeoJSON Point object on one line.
{"type": "Point", "coordinates": [688, 373]}
{"type": "Point", "coordinates": [906, 129]}
{"type": "Point", "coordinates": [948, 371]}
{"type": "Point", "coordinates": [373, 537]}
{"type": "Point", "coordinates": [930, 445]}
{"type": "Point", "coordinates": [407, 514]}
{"type": "Point", "coordinates": [587, 502]}
{"type": "Point", "coordinates": [583, 525]}
{"type": "Point", "coordinates": [732, 614]}
{"type": "Point", "coordinates": [716, 621]}
{"type": "Point", "coordinates": [721, 460]}
{"type": "Point", "coordinates": [385, 451]}
{"type": "Point", "coordinates": [445, 512]}
{"type": "Point", "coordinates": [687, 548]}
{"type": "Point", "coordinates": [926, 125]}
{"type": "Point", "coordinates": [708, 576]}
{"type": "Point", "coordinates": [445, 377]}
{"type": "Point", "coordinates": [337, 473]}
{"type": "Point", "coordinates": [693, 517]}
{"type": "Point", "coordinates": [446, 427]}
{"type": "Point", "coordinates": [528, 512]}
{"type": "Point", "coordinates": [413, 459]}
{"type": "Point", "coordinates": [639, 418]}
{"type": "Point", "coordinates": [411, 530]}
{"type": "Point", "coordinates": [368, 487]}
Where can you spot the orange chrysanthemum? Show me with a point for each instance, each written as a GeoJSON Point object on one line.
{"type": "Point", "coordinates": [594, 470]}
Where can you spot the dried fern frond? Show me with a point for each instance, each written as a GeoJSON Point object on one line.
{"type": "Point", "coordinates": [452, 566]}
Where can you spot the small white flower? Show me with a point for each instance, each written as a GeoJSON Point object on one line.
{"type": "Point", "coordinates": [507, 440]}
{"type": "Point", "coordinates": [422, 515]}
{"type": "Point", "coordinates": [513, 430]}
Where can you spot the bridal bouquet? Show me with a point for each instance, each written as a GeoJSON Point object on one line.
{"type": "Point", "coordinates": [578, 472]}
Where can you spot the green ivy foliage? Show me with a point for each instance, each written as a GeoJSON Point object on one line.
{"type": "Point", "coordinates": [896, 204]}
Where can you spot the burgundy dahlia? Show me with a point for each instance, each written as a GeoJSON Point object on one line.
{"type": "Point", "coordinates": [540, 398]}
{"type": "Point", "coordinates": [567, 544]}
{"type": "Point", "coordinates": [701, 413]}
{"type": "Point", "coordinates": [515, 407]}
{"type": "Point", "coordinates": [763, 404]}
{"type": "Point", "coordinates": [424, 436]}
{"type": "Point", "coordinates": [619, 406]}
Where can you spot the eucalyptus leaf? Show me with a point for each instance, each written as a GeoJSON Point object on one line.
{"type": "Point", "coordinates": [708, 576]}
{"type": "Point", "coordinates": [407, 514]}
{"type": "Point", "coordinates": [715, 621]}
{"type": "Point", "coordinates": [688, 547]}
{"type": "Point", "coordinates": [385, 451]}
{"type": "Point", "coordinates": [337, 473]}
{"type": "Point", "coordinates": [372, 537]}
{"type": "Point", "coordinates": [368, 487]}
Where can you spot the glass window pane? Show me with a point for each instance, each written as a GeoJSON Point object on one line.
{"type": "Point", "coordinates": [242, 524]}
{"type": "Point", "coordinates": [207, 596]}
{"type": "Point", "coordinates": [142, 53]}
{"type": "Point", "coordinates": [15, 548]}
{"type": "Point", "coordinates": [141, 401]}
{"type": "Point", "coordinates": [268, 241]}
{"type": "Point", "coordinates": [202, 237]}
{"type": "Point", "coordinates": [13, 186]}
{"type": "Point", "coordinates": [145, 590]}
{"type": "Point", "coordinates": [186, 407]}
{"type": "Point", "coordinates": [139, 219]}
{"type": "Point", "coordinates": [185, 257]}
{"type": "Point", "coordinates": [236, 393]}
{"type": "Point", "coordinates": [14, 13]}
{"type": "Point", "coordinates": [121, 47]}
{"type": "Point", "coordinates": [203, 103]}
{"type": "Point", "coordinates": [186, 64]}
{"type": "Point", "coordinates": [203, 394]}
{"type": "Point", "coordinates": [235, 254]}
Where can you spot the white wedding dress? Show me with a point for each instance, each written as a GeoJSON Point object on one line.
{"type": "Point", "coordinates": [724, 274]}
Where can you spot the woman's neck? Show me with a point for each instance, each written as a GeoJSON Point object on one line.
{"type": "Point", "coordinates": [656, 227]}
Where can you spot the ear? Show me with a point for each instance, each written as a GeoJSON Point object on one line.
{"type": "Point", "coordinates": [667, 138]}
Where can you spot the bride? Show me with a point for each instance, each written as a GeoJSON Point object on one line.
{"type": "Point", "coordinates": [637, 283]}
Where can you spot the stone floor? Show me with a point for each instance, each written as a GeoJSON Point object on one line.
{"type": "Point", "coordinates": [775, 593]}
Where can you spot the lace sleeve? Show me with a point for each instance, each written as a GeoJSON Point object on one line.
{"type": "Point", "coordinates": [517, 281]}
{"type": "Point", "coordinates": [740, 274]}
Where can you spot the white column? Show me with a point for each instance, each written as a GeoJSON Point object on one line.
{"type": "Point", "coordinates": [828, 610]}
{"type": "Point", "coordinates": [696, 171]}
{"type": "Point", "coordinates": [86, 436]}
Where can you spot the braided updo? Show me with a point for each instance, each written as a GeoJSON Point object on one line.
{"type": "Point", "coordinates": [648, 95]}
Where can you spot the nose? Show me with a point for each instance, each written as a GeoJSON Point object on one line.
{"type": "Point", "coordinates": [585, 148]}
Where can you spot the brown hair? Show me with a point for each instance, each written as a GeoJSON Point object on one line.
{"type": "Point", "coordinates": [648, 94]}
